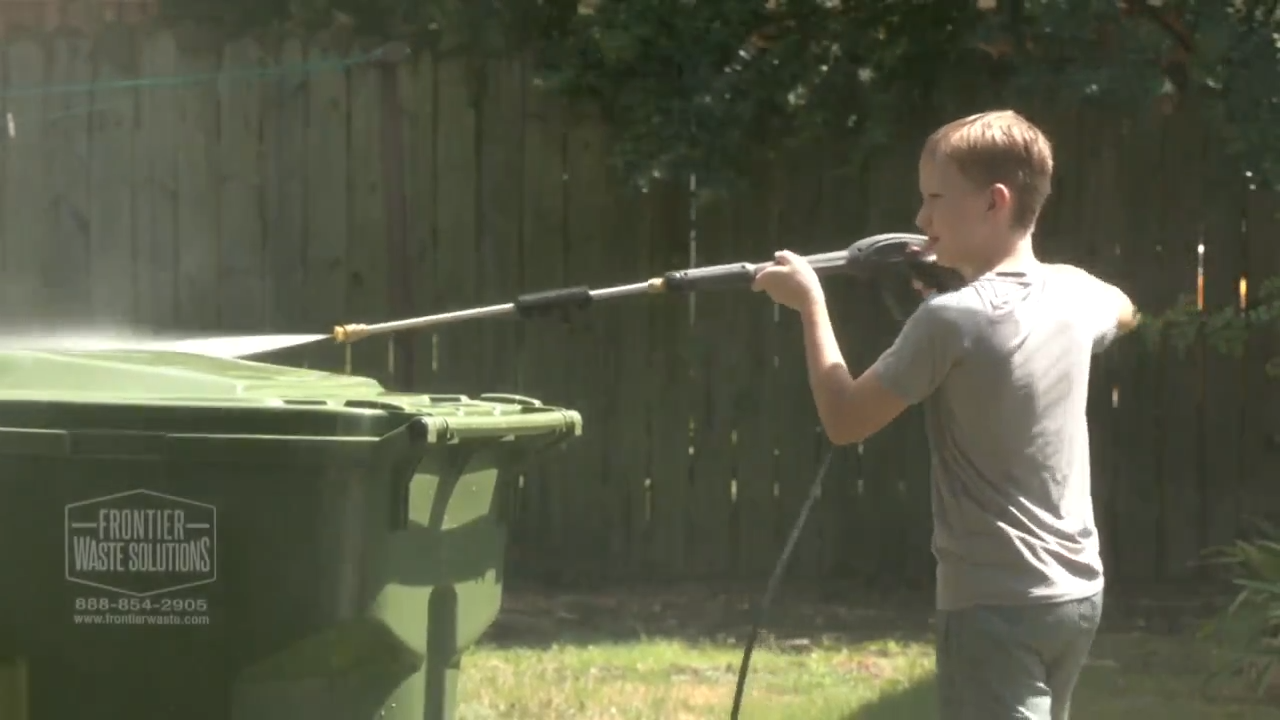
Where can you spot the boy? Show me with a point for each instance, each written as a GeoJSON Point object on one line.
{"type": "Point", "coordinates": [1002, 367]}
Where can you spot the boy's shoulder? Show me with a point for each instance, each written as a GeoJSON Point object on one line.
{"type": "Point", "coordinates": [1070, 272]}
{"type": "Point", "coordinates": [953, 309]}
{"type": "Point", "coordinates": [947, 303]}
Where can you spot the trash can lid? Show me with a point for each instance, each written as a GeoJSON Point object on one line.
{"type": "Point", "coordinates": [155, 377]}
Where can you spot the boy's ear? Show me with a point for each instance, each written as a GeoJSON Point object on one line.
{"type": "Point", "coordinates": [1000, 197]}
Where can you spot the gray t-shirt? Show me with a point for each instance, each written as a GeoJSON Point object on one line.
{"type": "Point", "coordinates": [1002, 367]}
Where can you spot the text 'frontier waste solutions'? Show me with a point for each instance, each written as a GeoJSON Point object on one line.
{"type": "Point", "coordinates": [143, 540]}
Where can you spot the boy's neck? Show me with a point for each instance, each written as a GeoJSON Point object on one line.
{"type": "Point", "coordinates": [1016, 255]}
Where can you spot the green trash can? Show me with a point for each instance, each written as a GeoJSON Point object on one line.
{"type": "Point", "coordinates": [194, 538]}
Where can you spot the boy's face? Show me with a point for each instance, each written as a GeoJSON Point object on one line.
{"type": "Point", "coordinates": [964, 222]}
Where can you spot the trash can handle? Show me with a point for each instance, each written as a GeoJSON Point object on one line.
{"type": "Point", "coordinates": [416, 435]}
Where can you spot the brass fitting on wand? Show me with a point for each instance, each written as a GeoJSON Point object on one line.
{"type": "Point", "coordinates": [350, 333]}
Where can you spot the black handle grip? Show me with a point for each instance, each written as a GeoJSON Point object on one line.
{"type": "Point", "coordinates": [936, 277]}
{"type": "Point", "coordinates": [544, 302]}
{"type": "Point", "coordinates": [712, 277]}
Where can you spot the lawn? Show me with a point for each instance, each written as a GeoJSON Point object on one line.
{"type": "Point", "coordinates": [675, 657]}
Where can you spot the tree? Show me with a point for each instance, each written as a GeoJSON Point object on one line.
{"type": "Point", "coordinates": [687, 84]}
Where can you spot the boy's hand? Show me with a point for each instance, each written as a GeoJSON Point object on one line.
{"type": "Point", "coordinates": [790, 281]}
{"type": "Point", "coordinates": [925, 292]}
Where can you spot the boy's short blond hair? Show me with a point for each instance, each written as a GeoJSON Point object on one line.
{"type": "Point", "coordinates": [1000, 147]}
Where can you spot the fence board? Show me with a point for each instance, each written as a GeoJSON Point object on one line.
{"type": "Point", "coordinates": [397, 265]}
{"type": "Point", "coordinates": [455, 273]}
{"type": "Point", "coordinates": [1182, 172]}
{"type": "Point", "coordinates": [284, 160]}
{"type": "Point", "coordinates": [1139, 385]}
{"type": "Point", "coordinates": [25, 177]}
{"type": "Point", "coordinates": [367, 267]}
{"type": "Point", "coordinates": [1060, 240]}
{"type": "Point", "coordinates": [111, 196]}
{"type": "Point", "coordinates": [66, 135]}
{"type": "Point", "coordinates": [758, 415]}
{"type": "Point", "coordinates": [543, 371]}
{"type": "Point", "coordinates": [155, 197]}
{"type": "Point", "coordinates": [588, 203]}
{"type": "Point", "coordinates": [672, 386]}
{"type": "Point", "coordinates": [417, 93]}
{"type": "Point", "coordinates": [614, 422]}
{"type": "Point", "coordinates": [501, 177]}
{"type": "Point", "coordinates": [1261, 442]}
{"type": "Point", "coordinates": [241, 264]}
{"type": "Point", "coordinates": [719, 377]}
{"type": "Point", "coordinates": [1224, 374]}
{"type": "Point", "coordinates": [197, 236]}
{"type": "Point", "coordinates": [324, 274]}
{"type": "Point", "coordinates": [627, 461]}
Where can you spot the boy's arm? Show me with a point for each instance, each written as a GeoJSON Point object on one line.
{"type": "Point", "coordinates": [853, 409]}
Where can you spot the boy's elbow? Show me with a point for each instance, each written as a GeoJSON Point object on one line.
{"type": "Point", "coordinates": [1128, 317]}
{"type": "Point", "coordinates": [839, 415]}
{"type": "Point", "coordinates": [859, 411]}
{"type": "Point", "coordinates": [844, 431]}
{"type": "Point", "coordinates": [844, 437]}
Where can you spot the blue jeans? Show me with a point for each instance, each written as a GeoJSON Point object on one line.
{"type": "Point", "coordinates": [1013, 663]}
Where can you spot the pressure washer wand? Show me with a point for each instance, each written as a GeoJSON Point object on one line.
{"type": "Point", "coordinates": [711, 277]}
{"type": "Point", "coordinates": [866, 258]}
{"type": "Point", "coordinates": [525, 305]}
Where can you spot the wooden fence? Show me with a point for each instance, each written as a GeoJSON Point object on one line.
{"type": "Point", "coordinates": [163, 179]}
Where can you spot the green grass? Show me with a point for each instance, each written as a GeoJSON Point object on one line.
{"type": "Point", "coordinates": [680, 663]}
{"type": "Point", "coordinates": [678, 680]}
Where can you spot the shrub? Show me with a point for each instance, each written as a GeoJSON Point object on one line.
{"type": "Point", "coordinates": [1249, 628]}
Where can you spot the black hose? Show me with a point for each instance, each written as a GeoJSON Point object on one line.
{"type": "Point", "coordinates": [778, 570]}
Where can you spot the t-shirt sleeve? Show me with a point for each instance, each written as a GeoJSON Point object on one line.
{"type": "Point", "coordinates": [922, 355]}
{"type": "Point", "coordinates": [1101, 304]}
